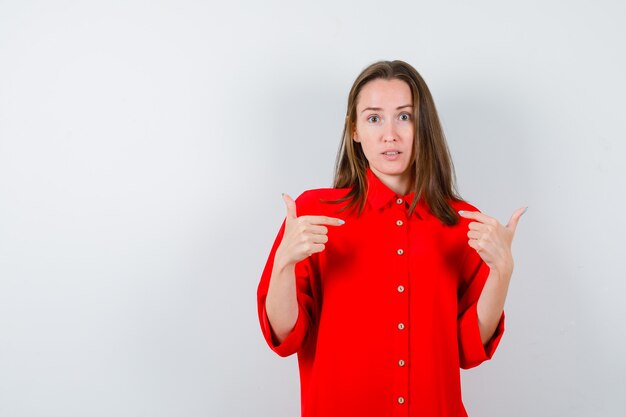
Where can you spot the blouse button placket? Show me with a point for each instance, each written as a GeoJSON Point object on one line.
{"type": "Point", "coordinates": [400, 237]}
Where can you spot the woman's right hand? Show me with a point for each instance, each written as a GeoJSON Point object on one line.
{"type": "Point", "coordinates": [303, 236]}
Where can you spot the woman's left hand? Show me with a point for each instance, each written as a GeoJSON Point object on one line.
{"type": "Point", "coordinates": [492, 240]}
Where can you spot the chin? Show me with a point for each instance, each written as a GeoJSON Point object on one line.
{"type": "Point", "coordinates": [386, 170]}
{"type": "Point", "coordinates": [396, 166]}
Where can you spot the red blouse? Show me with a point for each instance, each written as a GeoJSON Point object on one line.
{"type": "Point", "coordinates": [387, 312]}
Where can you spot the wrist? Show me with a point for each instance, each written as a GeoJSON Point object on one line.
{"type": "Point", "coordinates": [502, 271]}
{"type": "Point", "coordinates": [282, 264]}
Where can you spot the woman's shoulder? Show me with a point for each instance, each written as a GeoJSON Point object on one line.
{"type": "Point", "coordinates": [460, 227]}
{"type": "Point", "coordinates": [320, 200]}
{"type": "Point", "coordinates": [462, 205]}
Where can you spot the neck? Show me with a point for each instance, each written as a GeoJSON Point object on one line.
{"type": "Point", "coordinates": [399, 187]}
{"type": "Point", "coordinates": [399, 184]}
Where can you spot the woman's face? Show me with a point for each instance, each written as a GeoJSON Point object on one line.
{"type": "Point", "coordinates": [384, 128]}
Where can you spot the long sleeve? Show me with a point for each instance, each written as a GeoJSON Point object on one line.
{"type": "Point", "coordinates": [306, 309]}
{"type": "Point", "coordinates": [472, 352]}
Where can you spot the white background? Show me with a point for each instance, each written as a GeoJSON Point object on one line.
{"type": "Point", "coordinates": [144, 147]}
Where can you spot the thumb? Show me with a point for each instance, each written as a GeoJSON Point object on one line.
{"type": "Point", "coordinates": [291, 206]}
{"type": "Point", "coordinates": [517, 214]}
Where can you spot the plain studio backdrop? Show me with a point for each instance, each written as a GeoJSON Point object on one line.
{"type": "Point", "coordinates": [144, 147]}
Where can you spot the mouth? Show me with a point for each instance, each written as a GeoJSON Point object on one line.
{"type": "Point", "coordinates": [391, 155]}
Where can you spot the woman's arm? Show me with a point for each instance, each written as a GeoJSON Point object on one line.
{"type": "Point", "coordinates": [281, 303]}
{"type": "Point", "coordinates": [303, 236]}
{"type": "Point", "coordinates": [491, 303]}
{"type": "Point", "coordinates": [493, 242]}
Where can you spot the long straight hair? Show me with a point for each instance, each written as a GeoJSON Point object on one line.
{"type": "Point", "coordinates": [431, 167]}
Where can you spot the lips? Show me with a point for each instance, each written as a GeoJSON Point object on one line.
{"type": "Point", "coordinates": [391, 155]}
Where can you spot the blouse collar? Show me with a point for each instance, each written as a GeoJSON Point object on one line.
{"type": "Point", "coordinates": [379, 195]}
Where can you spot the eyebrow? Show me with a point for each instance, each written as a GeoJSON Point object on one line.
{"type": "Point", "coordinates": [378, 108]}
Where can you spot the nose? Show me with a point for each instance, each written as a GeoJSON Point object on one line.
{"type": "Point", "coordinates": [390, 134]}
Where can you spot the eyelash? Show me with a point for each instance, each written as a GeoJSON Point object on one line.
{"type": "Point", "coordinates": [402, 114]}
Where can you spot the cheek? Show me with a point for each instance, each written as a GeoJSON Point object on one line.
{"type": "Point", "coordinates": [407, 135]}
{"type": "Point", "coordinates": [368, 149]}
{"type": "Point", "coordinates": [407, 130]}
{"type": "Point", "coordinates": [365, 145]}
{"type": "Point", "coordinates": [363, 134]}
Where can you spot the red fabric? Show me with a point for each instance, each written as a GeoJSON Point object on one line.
{"type": "Point", "coordinates": [347, 335]}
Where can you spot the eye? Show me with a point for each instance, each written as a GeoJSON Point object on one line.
{"type": "Point", "coordinates": [373, 119]}
{"type": "Point", "coordinates": [405, 117]}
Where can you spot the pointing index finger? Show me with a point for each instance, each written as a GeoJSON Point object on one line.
{"type": "Point", "coordinates": [476, 215]}
{"type": "Point", "coordinates": [331, 221]}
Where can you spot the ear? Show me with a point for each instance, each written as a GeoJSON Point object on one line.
{"type": "Point", "coordinates": [354, 135]}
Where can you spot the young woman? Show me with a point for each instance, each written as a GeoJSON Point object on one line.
{"type": "Point", "coordinates": [388, 283]}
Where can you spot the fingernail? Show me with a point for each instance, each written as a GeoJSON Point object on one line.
{"type": "Point", "coordinates": [461, 211]}
{"type": "Point", "coordinates": [525, 210]}
{"type": "Point", "coordinates": [341, 221]}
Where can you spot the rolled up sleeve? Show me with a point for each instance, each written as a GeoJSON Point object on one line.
{"type": "Point", "coordinates": [472, 352]}
{"type": "Point", "coordinates": [297, 337]}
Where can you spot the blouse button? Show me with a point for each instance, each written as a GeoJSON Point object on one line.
{"type": "Point", "coordinates": [399, 201]}
{"type": "Point", "coordinates": [400, 400]}
{"type": "Point", "coordinates": [400, 252]}
{"type": "Point", "coordinates": [399, 222]}
{"type": "Point", "coordinates": [401, 326]}
{"type": "Point", "coordinates": [401, 362]}
{"type": "Point", "coordinates": [400, 288]}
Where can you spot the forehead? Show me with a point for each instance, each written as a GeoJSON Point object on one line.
{"type": "Point", "coordinates": [384, 93]}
